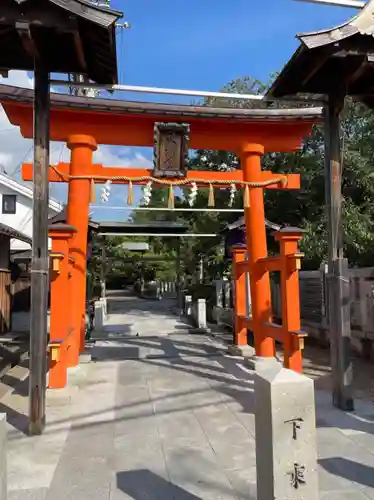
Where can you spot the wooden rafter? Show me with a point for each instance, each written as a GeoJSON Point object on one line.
{"type": "Point", "coordinates": [360, 70]}
{"type": "Point", "coordinates": [79, 50]}
{"type": "Point", "coordinates": [28, 43]}
{"type": "Point", "coordinates": [317, 66]}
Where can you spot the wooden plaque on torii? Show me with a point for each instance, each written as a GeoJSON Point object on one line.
{"type": "Point", "coordinates": [171, 149]}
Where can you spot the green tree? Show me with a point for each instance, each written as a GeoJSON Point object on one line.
{"type": "Point", "coordinates": [304, 208]}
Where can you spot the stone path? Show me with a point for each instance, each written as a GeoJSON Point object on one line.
{"type": "Point", "coordinates": [165, 415]}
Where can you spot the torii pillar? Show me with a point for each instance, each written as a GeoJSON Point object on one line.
{"type": "Point", "coordinates": [82, 148]}
{"type": "Point", "coordinates": [254, 214]}
{"type": "Point", "coordinates": [60, 328]}
{"type": "Point", "coordinates": [240, 345]}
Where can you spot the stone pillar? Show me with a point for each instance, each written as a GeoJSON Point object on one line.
{"type": "Point", "coordinates": [219, 293]}
{"type": "Point", "coordinates": [201, 314]}
{"type": "Point", "coordinates": [254, 215]}
{"type": "Point", "coordinates": [201, 321]}
{"type": "Point", "coordinates": [226, 293]}
{"type": "Point", "coordinates": [60, 326]}
{"type": "Point", "coordinates": [82, 148]}
{"type": "Point", "coordinates": [188, 305]}
{"type": "Point", "coordinates": [286, 456]}
{"type": "Point", "coordinates": [3, 455]}
{"type": "Point", "coordinates": [99, 315]}
{"type": "Point", "coordinates": [218, 307]}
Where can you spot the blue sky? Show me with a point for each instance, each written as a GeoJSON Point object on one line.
{"type": "Point", "coordinates": [201, 44]}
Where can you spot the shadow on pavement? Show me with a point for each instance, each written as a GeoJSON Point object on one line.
{"type": "Point", "coordinates": [144, 484]}
{"type": "Point", "coordinates": [348, 469]}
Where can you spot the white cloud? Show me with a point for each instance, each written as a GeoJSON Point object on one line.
{"type": "Point", "coordinates": [15, 149]}
{"type": "Point", "coordinates": [18, 79]}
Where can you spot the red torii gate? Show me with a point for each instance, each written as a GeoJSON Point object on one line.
{"type": "Point", "coordinates": [83, 123]}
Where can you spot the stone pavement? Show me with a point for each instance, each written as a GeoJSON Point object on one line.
{"type": "Point", "coordinates": [164, 415]}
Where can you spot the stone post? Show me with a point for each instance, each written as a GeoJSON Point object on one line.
{"type": "Point", "coordinates": [188, 305]}
{"type": "Point", "coordinates": [226, 294]}
{"type": "Point", "coordinates": [99, 315]}
{"type": "Point", "coordinates": [286, 456]}
{"type": "Point", "coordinates": [201, 321]}
{"type": "Point", "coordinates": [3, 454]}
{"type": "Point", "coordinates": [219, 293]}
{"type": "Point", "coordinates": [201, 313]}
{"type": "Point", "coordinates": [217, 309]}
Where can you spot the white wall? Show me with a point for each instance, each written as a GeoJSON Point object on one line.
{"type": "Point", "coordinates": [22, 219]}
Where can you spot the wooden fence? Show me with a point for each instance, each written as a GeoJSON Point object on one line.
{"type": "Point", "coordinates": [314, 303]}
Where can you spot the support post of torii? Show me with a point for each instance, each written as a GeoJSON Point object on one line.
{"type": "Point", "coordinates": [338, 277]}
{"type": "Point", "coordinates": [39, 260]}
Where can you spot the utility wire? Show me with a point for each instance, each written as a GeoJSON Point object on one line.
{"type": "Point", "coordinates": [18, 167]}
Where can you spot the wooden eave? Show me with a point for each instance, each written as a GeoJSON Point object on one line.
{"type": "Point", "coordinates": [14, 234]}
{"type": "Point", "coordinates": [67, 36]}
{"type": "Point", "coordinates": [327, 60]}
